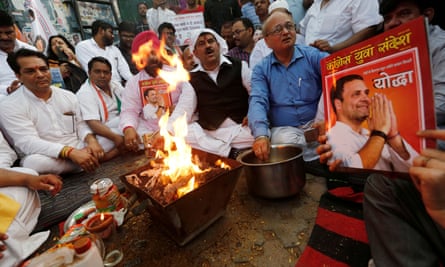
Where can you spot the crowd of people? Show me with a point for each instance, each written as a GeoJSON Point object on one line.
{"type": "Point", "coordinates": [255, 80]}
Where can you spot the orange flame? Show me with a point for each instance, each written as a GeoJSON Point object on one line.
{"type": "Point", "coordinates": [177, 159]}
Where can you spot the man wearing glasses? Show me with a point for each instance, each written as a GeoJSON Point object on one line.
{"type": "Point", "coordinates": [286, 88]}
{"type": "Point", "coordinates": [243, 31]}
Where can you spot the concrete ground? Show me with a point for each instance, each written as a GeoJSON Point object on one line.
{"type": "Point", "coordinates": [253, 231]}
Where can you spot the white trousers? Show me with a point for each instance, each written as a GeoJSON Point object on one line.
{"type": "Point", "coordinates": [294, 135]}
{"type": "Point", "coordinates": [220, 141]}
{"type": "Point", "coordinates": [20, 245]}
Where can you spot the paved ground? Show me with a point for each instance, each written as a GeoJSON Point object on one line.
{"type": "Point", "coordinates": [253, 232]}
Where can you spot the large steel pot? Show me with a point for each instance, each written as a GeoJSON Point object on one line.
{"type": "Point", "coordinates": [282, 175]}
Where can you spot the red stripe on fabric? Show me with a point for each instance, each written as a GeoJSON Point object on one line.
{"type": "Point", "coordinates": [313, 258]}
{"type": "Point", "coordinates": [342, 225]}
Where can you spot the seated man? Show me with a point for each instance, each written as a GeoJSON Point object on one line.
{"type": "Point", "coordinates": [286, 88]}
{"type": "Point", "coordinates": [220, 97]}
{"type": "Point", "coordinates": [405, 220]}
{"type": "Point", "coordinates": [333, 25]}
{"type": "Point", "coordinates": [20, 207]}
{"type": "Point", "coordinates": [8, 44]}
{"type": "Point", "coordinates": [100, 103]}
{"type": "Point", "coordinates": [243, 31]}
{"type": "Point", "coordinates": [397, 12]}
{"type": "Point", "coordinates": [132, 122]}
{"type": "Point", "coordinates": [44, 123]}
{"type": "Point", "coordinates": [383, 148]}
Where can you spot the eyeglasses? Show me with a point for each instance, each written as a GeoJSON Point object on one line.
{"type": "Point", "coordinates": [33, 71]}
{"type": "Point", "coordinates": [277, 30]}
{"type": "Point", "coordinates": [238, 32]}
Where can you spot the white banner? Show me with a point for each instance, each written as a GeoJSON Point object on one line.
{"type": "Point", "coordinates": [185, 23]}
{"type": "Point", "coordinates": [41, 26]}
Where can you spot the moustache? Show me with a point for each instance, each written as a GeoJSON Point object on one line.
{"type": "Point", "coordinates": [209, 50]}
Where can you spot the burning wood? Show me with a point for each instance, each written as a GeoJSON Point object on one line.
{"type": "Point", "coordinates": [161, 188]}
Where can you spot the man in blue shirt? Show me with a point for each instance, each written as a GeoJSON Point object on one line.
{"type": "Point", "coordinates": [286, 88]}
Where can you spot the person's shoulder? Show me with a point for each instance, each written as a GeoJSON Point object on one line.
{"type": "Point", "coordinates": [84, 89]}
{"type": "Point", "coordinates": [63, 92]}
{"type": "Point", "coordinates": [83, 43]}
{"type": "Point", "coordinates": [21, 44]}
{"type": "Point", "coordinates": [308, 50]}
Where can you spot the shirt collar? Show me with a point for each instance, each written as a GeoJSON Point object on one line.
{"type": "Point", "coordinates": [222, 59]}
{"type": "Point", "coordinates": [297, 55]}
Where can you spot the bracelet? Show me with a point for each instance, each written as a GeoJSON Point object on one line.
{"type": "Point", "coordinates": [65, 152]}
{"type": "Point", "coordinates": [67, 155]}
{"type": "Point", "coordinates": [379, 133]}
{"type": "Point", "coordinates": [126, 127]}
{"type": "Point", "coordinates": [393, 136]}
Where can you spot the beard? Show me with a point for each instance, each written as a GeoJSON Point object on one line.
{"type": "Point", "coordinates": [108, 41]}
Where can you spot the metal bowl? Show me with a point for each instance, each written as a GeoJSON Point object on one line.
{"type": "Point", "coordinates": [282, 175]}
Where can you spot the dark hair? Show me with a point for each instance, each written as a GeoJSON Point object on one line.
{"type": "Point", "coordinates": [142, 3]}
{"type": "Point", "coordinates": [227, 24]}
{"type": "Point", "coordinates": [99, 24]}
{"type": "Point", "coordinates": [127, 26]}
{"type": "Point", "coordinates": [338, 88]}
{"type": "Point", "coordinates": [387, 6]}
{"type": "Point", "coordinates": [98, 59]}
{"type": "Point", "coordinates": [6, 20]}
{"type": "Point", "coordinates": [148, 90]}
{"type": "Point", "coordinates": [165, 25]}
{"type": "Point", "coordinates": [12, 58]}
{"type": "Point", "coordinates": [52, 54]}
{"type": "Point", "coordinates": [247, 23]}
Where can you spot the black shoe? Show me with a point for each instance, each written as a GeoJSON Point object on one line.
{"type": "Point", "coordinates": [235, 152]}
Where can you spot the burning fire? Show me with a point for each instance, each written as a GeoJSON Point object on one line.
{"type": "Point", "coordinates": [177, 156]}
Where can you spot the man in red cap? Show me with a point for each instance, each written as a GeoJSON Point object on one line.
{"type": "Point", "coordinates": [145, 50]}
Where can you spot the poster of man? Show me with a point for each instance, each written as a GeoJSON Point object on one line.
{"type": "Point", "coordinates": [377, 95]}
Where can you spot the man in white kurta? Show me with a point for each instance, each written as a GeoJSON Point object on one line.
{"type": "Point", "coordinates": [20, 207]}
{"type": "Point", "coordinates": [331, 25]}
{"type": "Point", "coordinates": [100, 103]}
{"type": "Point", "coordinates": [101, 44]}
{"type": "Point", "coordinates": [8, 44]}
{"type": "Point", "coordinates": [158, 14]}
{"type": "Point", "coordinates": [44, 123]}
{"type": "Point", "coordinates": [132, 122]}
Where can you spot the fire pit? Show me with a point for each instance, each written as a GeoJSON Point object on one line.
{"type": "Point", "coordinates": [187, 216]}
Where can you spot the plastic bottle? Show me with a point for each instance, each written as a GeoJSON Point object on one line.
{"type": "Point", "coordinates": [81, 253]}
{"type": "Point", "coordinates": [106, 196]}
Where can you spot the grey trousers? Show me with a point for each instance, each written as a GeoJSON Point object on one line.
{"type": "Point", "coordinates": [400, 231]}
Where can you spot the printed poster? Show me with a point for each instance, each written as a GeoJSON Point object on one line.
{"type": "Point", "coordinates": [396, 64]}
{"type": "Point", "coordinates": [161, 88]}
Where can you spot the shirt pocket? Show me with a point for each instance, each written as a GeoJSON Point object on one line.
{"type": "Point", "coordinates": [68, 122]}
{"type": "Point", "coordinates": [309, 90]}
